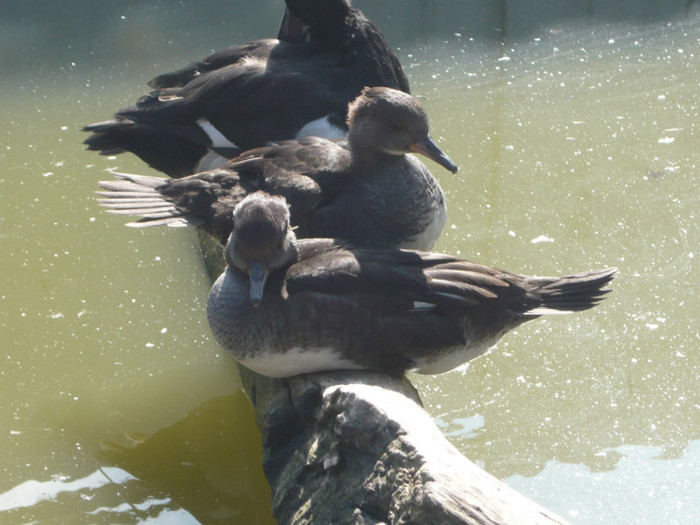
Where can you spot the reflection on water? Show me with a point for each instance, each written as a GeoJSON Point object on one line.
{"type": "Point", "coordinates": [578, 149]}
{"type": "Point", "coordinates": [212, 461]}
{"type": "Point", "coordinates": [664, 490]}
{"type": "Point", "coordinates": [205, 468]}
{"type": "Point", "coordinates": [33, 492]}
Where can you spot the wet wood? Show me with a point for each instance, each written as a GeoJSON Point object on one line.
{"type": "Point", "coordinates": [358, 448]}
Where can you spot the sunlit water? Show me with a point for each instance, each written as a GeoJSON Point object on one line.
{"type": "Point", "coordinates": [579, 148]}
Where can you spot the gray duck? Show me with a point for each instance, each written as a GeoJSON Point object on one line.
{"type": "Point", "coordinates": [285, 306]}
{"type": "Point", "coordinates": [367, 189]}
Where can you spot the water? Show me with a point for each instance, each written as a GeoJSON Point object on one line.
{"type": "Point", "coordinates": [578, 148]}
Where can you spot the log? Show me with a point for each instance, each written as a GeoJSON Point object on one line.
{"type": "Point", "coordinates": [358, 447]}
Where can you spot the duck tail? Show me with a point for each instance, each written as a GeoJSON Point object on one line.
{"type": "Point", "coordinates": [138, 195]}
{"type": "Point", "coordinates": [163, 151]}
{"type": "Point", "coordinates": [571, 293]}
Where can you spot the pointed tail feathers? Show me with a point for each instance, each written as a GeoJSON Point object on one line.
{"type": "Point", "coordinates": [138, 195]}
{"type": "Point", "coordinates": [572, 293]}
{"type": "Point", "coordinates": [103, 140]}
{"type": "Point", "coordinates": [164, 151]}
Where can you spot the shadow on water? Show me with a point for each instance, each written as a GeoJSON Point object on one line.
{"type": "Point", "coordinates": [208, 462]}
{"type": "Point", "coordinates": [205, 468]}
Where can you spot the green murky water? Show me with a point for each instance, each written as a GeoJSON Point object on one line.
{"type": "Point", "coordinates": [578, 147]}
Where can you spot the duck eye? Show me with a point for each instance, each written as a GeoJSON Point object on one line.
{"type": "Point", "coordinates": [396, 126]}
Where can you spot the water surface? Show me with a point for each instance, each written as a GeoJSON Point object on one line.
{"type": "Point", "coordinates": [578, 148]}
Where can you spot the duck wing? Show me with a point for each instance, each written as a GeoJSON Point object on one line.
{"type": "Point", "coordinates": [406, 281]}
{"type": "Point", "coordinates": [388, 308]}
{"type": "Point", "coordinates": [250, 94]}
{"type": "Point", "coordinates": [234, 108]}
{"type": "Point", "coordinates": [423, 280]}
{"type": "Point", "coordinates": [406, 309]}
{"type": "Point", "coordinates": [259, 49]}
{"type": "Point", "coordinates": [305, 172]}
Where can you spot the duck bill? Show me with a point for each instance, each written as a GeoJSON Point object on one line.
{"type": "Point", "coordinates": [258, 276]}
{"type": "Point", "coordinates": [292, 29]}
{"type": "Point", "coordinates": [426, 146]}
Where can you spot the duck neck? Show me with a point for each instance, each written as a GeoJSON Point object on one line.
{"type": "Point", "coordinates": [366, 156]}
{"type": "Point", "coordinates": [328, 27]}
{"type": "Point", "coordinates": [368, 162]}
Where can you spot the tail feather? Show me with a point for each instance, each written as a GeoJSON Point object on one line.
{"type": "Point", "coordinates": [572, 293]}
{"type": "Point", "coordinates": [138, 195]}
{"type": "Point", "coordinates": [101, 140]}
{"type": "Point", "coordinates": [159, 212]}
{"type": "Point", "coordinates": [115, 193]}
{"type": "Point", "coordinates": [141, 180]}
{"type": "Point", "coordinates": [172, 222]}
{"type": "Point", "coordinates": [160, 149]}
{"type": "Point", "coordinates": [127, 203]}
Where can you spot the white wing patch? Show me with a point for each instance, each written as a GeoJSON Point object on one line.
{"type": "Point", "coordinates": [215, 136]}
{"type": "Point", "coordinates": [321, 127]}
{"type": "Point", "coordinates": [419, 305]}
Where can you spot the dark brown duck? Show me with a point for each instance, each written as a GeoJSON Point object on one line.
{"type": "Point", "coordinates": [247, 95]}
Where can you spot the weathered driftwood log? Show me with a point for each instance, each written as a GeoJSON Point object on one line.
{"type": "Point", "coordinates": [358, 448]}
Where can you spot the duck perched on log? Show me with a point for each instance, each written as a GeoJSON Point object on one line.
{"type": "Point", "coordinates": [250, 94]}
{"type": "Point", "coordinates": [285, 306]}
{"type": "Point", "coordinates": [367, 189]}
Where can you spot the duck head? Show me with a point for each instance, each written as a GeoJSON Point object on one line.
{"type": "Point", "coordinates": [315, 20]}
{"type": "Point", "coordinates": [262, 240]}
{"type": "Point", "coordinates": [392, 122]}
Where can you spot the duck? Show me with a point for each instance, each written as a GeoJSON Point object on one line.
{"type": "Point", "coordinates": [245, 96]}
{"type": "Point", "coordinates": [368, 189]}
{"type": "Point", "coordinates": [286, 306]}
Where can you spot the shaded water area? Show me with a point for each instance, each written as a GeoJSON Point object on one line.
{"type": "Point", "coordinates": [579, 147]}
